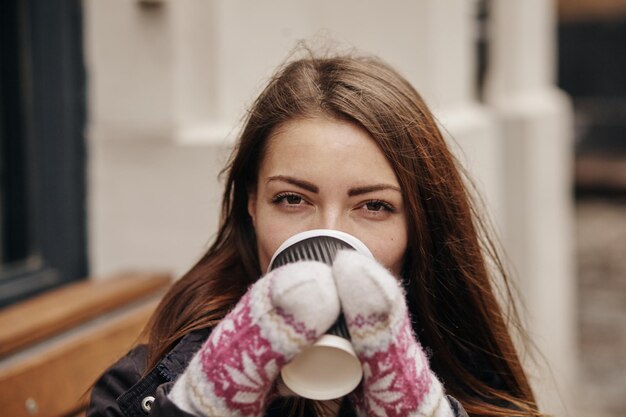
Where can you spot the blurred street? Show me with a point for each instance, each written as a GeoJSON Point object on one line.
{"type": "Point", "coordinates": [601, 262]}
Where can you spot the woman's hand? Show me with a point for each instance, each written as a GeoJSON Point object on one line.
{"type": "Point", "coordinates": [397, 379]}
{"type": "Point", "coordinates": [236, 368]}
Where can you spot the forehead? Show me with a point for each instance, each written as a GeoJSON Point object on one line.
{"type": "Point", "coordinates": [342, 148]}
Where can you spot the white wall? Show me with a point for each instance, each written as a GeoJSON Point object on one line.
{"type": "Point", "coordinates": [169, 82]}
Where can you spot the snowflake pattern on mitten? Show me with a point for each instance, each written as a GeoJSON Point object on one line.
{"type": "Point", "coordinates": [235, 371]}
{"type": "Point", "coordinates": [397, 380]}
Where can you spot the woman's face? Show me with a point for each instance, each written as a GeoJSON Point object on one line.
{"type": "Point", "coordinates": [322, 173]}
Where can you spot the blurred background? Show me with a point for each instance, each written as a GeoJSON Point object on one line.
{"type": "Point", "coordinates": [116, 117]}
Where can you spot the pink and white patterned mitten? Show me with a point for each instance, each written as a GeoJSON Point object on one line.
{"type": "Point", "coordinates": [397, 380]}
{"type": "Point", "coordinates": [234, 371]}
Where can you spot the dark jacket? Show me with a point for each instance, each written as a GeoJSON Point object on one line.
{"type": "Point", "coordinates": [124, 391]}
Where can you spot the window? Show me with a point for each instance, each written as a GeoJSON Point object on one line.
{"type": "Point", "coordinates": [42, 148]}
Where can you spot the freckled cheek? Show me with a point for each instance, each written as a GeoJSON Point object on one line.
{"type": "Point", "coordinates": [270, 235]}
{"type": "Point", "coordinates": [389, 251]}
{"type": "Point", "coordinates": [267, 232]}
{"type": "Point", "coordinates": [267, 246]}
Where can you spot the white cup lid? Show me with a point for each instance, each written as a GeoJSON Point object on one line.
{"type": "Point", "coordinates": [326, 370]}
{"type": "Point", "coordinates": [347, 238]}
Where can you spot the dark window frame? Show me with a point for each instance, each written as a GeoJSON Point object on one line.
{"type": "Point", "coordinates": [43, 149]}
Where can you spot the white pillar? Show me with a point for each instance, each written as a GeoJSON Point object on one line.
{"type": "Point", "coordinates": [535, 120]}
{"type": "Point", "coordinates": [448, 85]}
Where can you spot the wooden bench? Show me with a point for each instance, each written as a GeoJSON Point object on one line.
{"type": "Point", "coordinates": [54, 346]}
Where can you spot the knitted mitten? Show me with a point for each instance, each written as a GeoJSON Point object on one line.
{"type": "Point", "coordinates": [397, 379]}
{"type": "Point", "coordinates": [234, 371]}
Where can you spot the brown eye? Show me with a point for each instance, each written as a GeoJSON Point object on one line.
{"type": "Point", "coordinates": [293, 199]}
{"type": "Point", "coordinates": [376, 209]}
{"type": "Point", "coordinates": [377, 205]}
{"type": "Point", "coordinates": [288, 199]}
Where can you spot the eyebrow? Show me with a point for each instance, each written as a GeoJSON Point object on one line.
{"type": "Point", "coordinates": [315, 189]}
{"type": "Point", "coordinates": [371, 188]}
{"type": "Point", "coordinates": [295, 181]}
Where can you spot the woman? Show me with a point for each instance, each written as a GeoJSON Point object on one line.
{"type": "Point", "coordinates": [338, 143]}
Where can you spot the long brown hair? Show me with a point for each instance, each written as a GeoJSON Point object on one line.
{"type": "Point", "coordinates": [449, 287]}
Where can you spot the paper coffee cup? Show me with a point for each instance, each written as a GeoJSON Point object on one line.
{"type": "Point", "coordinates": [329, 368]}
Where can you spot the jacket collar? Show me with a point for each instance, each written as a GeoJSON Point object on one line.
{"type": "Point", "coordinates": [174, 363]}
